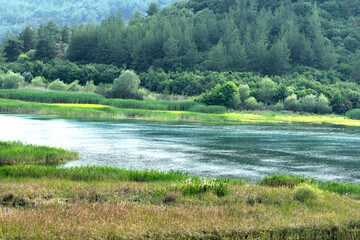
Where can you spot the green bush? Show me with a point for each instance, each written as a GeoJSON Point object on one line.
{"type": "Point", "coordinates": [38, 82]}
{"type": "Point", "coordinates": [74, 86]}
{"type": "Point", "coordinates": [57, 85]}
{"type": "Point", "coordinates": [126, 85]}
{"type": "Point", "coordinates": [252, 104]}
{"type": "Point", "coordinates": [225, 95]}
{"type": "Point", "coordinates": [305, 192]}
{"type": "Point", "coordinates": [353, 114]}
{"type": "Point", "coordinates": [12, 80]}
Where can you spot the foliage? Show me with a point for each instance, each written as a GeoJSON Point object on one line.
{"type": "Point", "coordinates": [353, 114]}
{"type": "Point", "coordinates": [12, 80]}
{"type": "Point", "coordinates": [225, 95]}
{"type": "Point", "coordinates": [305, 192]}
{"type": "Point", "coordinates": [126, 86]}
{"type": "Point", "coordinates": [57, 85]}
{"type": "Point", "coordinates": [74, 86]}
{"type": "Point", "coordinates": [38, 82]}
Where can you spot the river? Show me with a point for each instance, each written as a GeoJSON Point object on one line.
{"type": "Point", "coordinates": [249, 151]}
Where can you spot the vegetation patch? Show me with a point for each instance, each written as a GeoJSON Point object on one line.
{"type": "Point", "coordinates": [47, 96]}
{"type": "Point", "coordinates": [19, 153]}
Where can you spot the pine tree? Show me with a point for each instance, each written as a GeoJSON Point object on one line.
{"type": "Point", "coordinates": [27, 36]}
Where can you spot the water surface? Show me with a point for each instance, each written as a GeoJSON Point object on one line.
{"type": "Point", "coordinates": [242, 151]}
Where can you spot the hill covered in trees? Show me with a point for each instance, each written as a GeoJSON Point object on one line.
{"type": "Point", "coordinates": [276, 49]}
{"type": "Point", "coordinates": [17, 14]}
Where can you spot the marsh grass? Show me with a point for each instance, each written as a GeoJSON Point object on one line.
{"type": "Point", "coordinates": [48, 96]}
{"type": "Point", "coordinates": [89, 173]}
{"type": "Point", "coordinates": [18, 153]}
{"type": "Point", "coordinates": [291, 181]}
{"type": "Point", "coordinates": [60, 208]}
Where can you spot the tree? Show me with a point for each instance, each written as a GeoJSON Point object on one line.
{"type": "Point", "coordinates": [12, 48]}
{"type": "Point", "coordinates": [27, 36]}
{"type": "Point", "coordinates": [322, 105]}
{"type": "Point", "coordinates": [57, 85]}
{"type": "Point", "coordinates": [278, 58]}
{"type": "Point", "coordinates": [153, 9]}
{"type": "Point", "coordinates": [309, 103]}
{"type": "Point", "coordinates": [267, 91]}
{"type": "Point", "coordinates": [65, 34]}
{"type": "Point", "coordinates": [126, 85]}
{"type": "Point", "coordinates": [217, 58]}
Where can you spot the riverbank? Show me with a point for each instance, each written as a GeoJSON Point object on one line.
{"type": "Point", "coordinates": [103, 203]}
{"type": "Point", "coordinates": [94, 202]}
{"type": "Point", "coordinates": [104, 111]}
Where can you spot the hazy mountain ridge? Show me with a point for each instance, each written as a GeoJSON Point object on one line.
{"type": "Point", "coordinates": [17, 14]}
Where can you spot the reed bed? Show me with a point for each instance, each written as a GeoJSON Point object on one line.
{"type": "Point", "coordinates": [18, 153]}
{"type": "Point", "coordinates": [164, 105]}
{"type": "Point", "coordinates": [48, 96]}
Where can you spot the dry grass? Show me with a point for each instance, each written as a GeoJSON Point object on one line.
{"type": "Point", "coordinates": [131, 210]}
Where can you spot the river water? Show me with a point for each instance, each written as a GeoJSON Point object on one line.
{"type": "Point", "coordinates": [250, 151]}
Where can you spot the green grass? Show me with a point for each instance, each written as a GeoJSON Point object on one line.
{"type": "Point", "coordinates": [164, 105]}
{"type": "Point", "coordinates": [292, 181]}
{"type": "Point", "coordinates": [17, 153]}
{"type": "Point", "coordinates": [88, 173]}
{"type": "Point", "coordinates": [48, 96]}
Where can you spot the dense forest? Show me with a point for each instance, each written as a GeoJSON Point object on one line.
{"type": "Point", "coordinates": [17, 14]}
{"type": "Point", "coordinates": [279, 53]}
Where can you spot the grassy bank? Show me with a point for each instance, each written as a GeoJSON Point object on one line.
{"type": "Point", "coordinates": [88, 110]}
{"type": "Point", "coordinates": [17, 153]}
{"type": "Point", "coordinates": [173, 206]}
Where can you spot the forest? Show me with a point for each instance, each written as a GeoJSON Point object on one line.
{"type": "Point", "coordinates": [62, 12]}
{"type": "Point", "coordinates": [280, 54]}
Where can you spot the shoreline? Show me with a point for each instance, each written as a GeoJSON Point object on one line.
{"type": "Point", "coordinates": [103, 111]}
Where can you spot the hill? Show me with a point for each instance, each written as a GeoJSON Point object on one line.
{"type": "Point", "coordinates": [17, 14]}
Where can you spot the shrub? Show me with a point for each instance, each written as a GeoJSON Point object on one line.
{"type": "Point", "coordinates": [126, 85]}
{"type": "Point", "coordinates": [225, 95]}
{"type": "Point", "coordinates": [291, 103]}
{"type": "Point", "coordinates": [38, 82]}
{"type": "Point", "coordinates": [12, 80]}
{"type": "Point", "coordinates": [323, 105]}
{"type": "Point", "coordinates": [277, 107]}
{"type": "Point", "coordinates": [353, 114]}
{"type": "Point", "coordinates": [252, 104]}
{"type": "Point", "coordinates": [89, 86]}
{"type": "Point", "coordinates": [57, 85]}
{"type": "Point", "coordinates": [305, 192]}
{"type": "Point", "coordinates": [74, 86]}
{"type": "Point", "coordinates": [308, 103]}
{"type": "Point", "coordinates": [27, 76]}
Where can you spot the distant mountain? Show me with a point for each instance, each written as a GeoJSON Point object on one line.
{"type": "Point", "coordinates": [17, 14]}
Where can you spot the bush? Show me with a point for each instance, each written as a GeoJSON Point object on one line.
{"type": "Point", "coordinates": [305, 192]}
{"type": "Point", "coordinates": [57, 85]}
{"type": "Point", "coordinates": [74, 86]}
{"type": "Point", "coordinates": [38, 82]}
{"type": "Point", "coordinates": [225, 95]}
{"type": "Point", "coordinates": [308, 103]}
{"type": "Point", "coordinates": [292, 103]}
{"type": "Point", "coordinates": [89, 86]}
{"type": "Point", "coordinates": [353, 114]}
{"type": "Point", "coordinates": [12, 80]}
{"type": "Point", "coordinates": [323, 105]}
{"type": "Point", "coordinates": [126, 85]}
{"type": "Point", "coordinates": [27, 76]}
{"type": "Point", "coordinates": [252, 104]}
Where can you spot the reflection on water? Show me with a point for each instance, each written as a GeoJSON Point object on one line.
{"type": "Point", "coordinates": [242, 151]}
